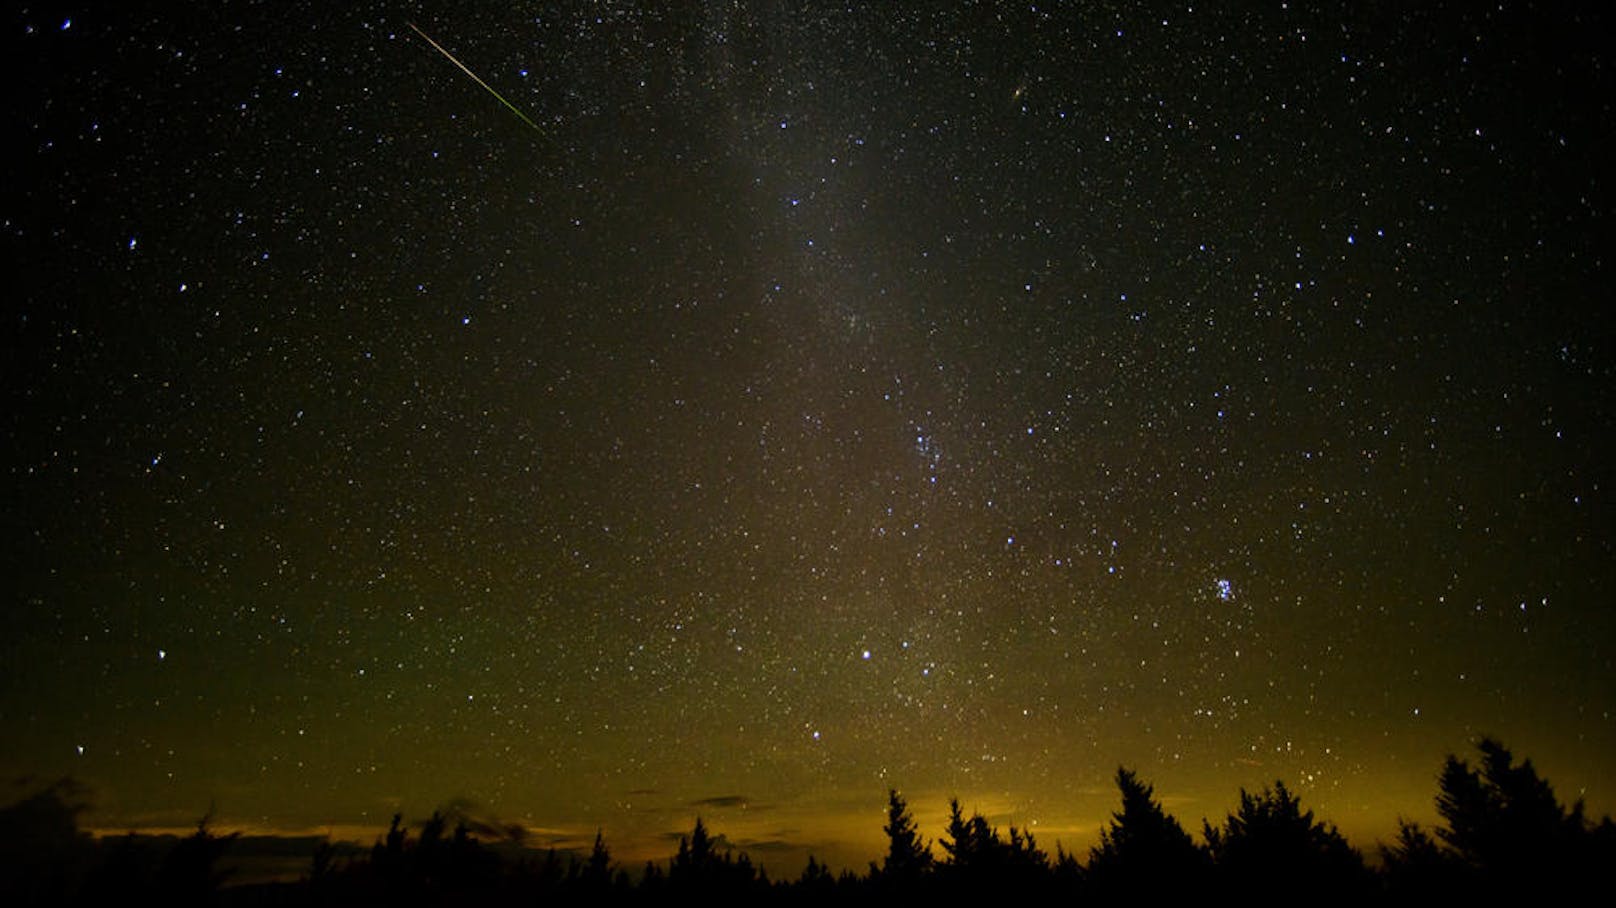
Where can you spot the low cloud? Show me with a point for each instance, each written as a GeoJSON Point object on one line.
{"type": "Point", "coordinates": [724, 802]}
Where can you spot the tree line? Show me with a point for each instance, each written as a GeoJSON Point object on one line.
{"type": "Point", "coordinates": [1502, 833]}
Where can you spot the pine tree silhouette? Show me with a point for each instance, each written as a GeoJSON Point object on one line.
{"type": "Point", "coordinates": [964, 845]}
{"type": "Point", "coordinates": [1270, 847]}
{"type": "Point", "coordinates": [190, 874]}
{"type": "Point", "coordinates": [699, 868]}
{"type": "Point", "coordinates": [981, 862]}
{"type": "Point", "coordinates": [1504, 824]}
{"type": "Point", "coordinates": [695, 865]}
{"type": "Point", "coordinates": [908, 858]}
{"type": "Point", "coordinates": [816, 878]}
{"type": "Point", "coordinates": [1144, 853]}
{"type": "Point", "coordinates": [42, 850]}
{"type": "Point", "coordinates": [597, 872]}
{"type": "Point", "coordinates": [1417, 868]}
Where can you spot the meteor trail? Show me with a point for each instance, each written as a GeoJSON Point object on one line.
{"type": "Point", "coordinates": [439, 48]}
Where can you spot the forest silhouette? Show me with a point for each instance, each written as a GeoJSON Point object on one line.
{"type": "Point", "coordinates": [1502, 835]}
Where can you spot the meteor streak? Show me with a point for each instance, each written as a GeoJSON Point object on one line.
{"type": "Point", "coordinates": [439, 48]}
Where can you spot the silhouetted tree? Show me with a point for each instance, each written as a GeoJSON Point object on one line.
{"type": "Point", "coordinates": [1023, 851]}
{"type": "Point", "coordinates": [1067, 873]}
{"type": "Point", "coordinates": [908, 858]}
{"type": "Point", "coordinates": [817, 885]}
{"type": "Point", "coordinates": [699, 868]}
{"type": "Point", "coordinates": [42, 851]}
{"type": "Point", "coordinates": [322, 863]}
{"type": "Point", "coordinates": [1603, 837]}
{"type": "Point", "coordinates": [695, 865]}
{"type": "Point", "coordinates": [123, 874]}
{"type": "Point", "coordinates": [597, 872]}
{"type": "Point", "coordinates": [653, 881]}
{"type": "Point", "coordinates": [816, 879]}
{"type": "Point", "coordinates": [1417, 869]}
{"type": "Point", "coordinates": [189, 874]}
{"type": "Point", "coordinates": [387, 857]}
{"type": "Point", "coordinates": [322, 880]}
{"type": "Point", "coordinates": [980, 860]}
{"type": "Point", "coordinates": [968, 840]}
{"type": "Point", "coordinates": [1503, 822]}
{"type": "Point", "coordinates": [426, 863]}
{"type": "Point", "coordinates": [548, 876]}
{"type": "Point", "coordinates": [468, 867]}
{"type": "Point", "coordinates": [1144, 853]}
{"type": "Point", "coordinates": [1270, 847]}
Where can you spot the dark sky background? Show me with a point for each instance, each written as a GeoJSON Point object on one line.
{"type": "Point", "coordinates": [966, 398]}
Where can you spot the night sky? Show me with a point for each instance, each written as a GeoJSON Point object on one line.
{"type": "Point", "coordinates": [965, 398]}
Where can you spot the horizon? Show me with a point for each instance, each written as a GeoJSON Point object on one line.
{"type": "Point", "coordinates": [740, 831]}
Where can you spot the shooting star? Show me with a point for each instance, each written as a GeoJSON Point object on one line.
{"type": "Point", "coordinates": [439, 48]}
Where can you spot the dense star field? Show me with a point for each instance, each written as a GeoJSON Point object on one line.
{"type": "Point", "coordinates": [773, 403]}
